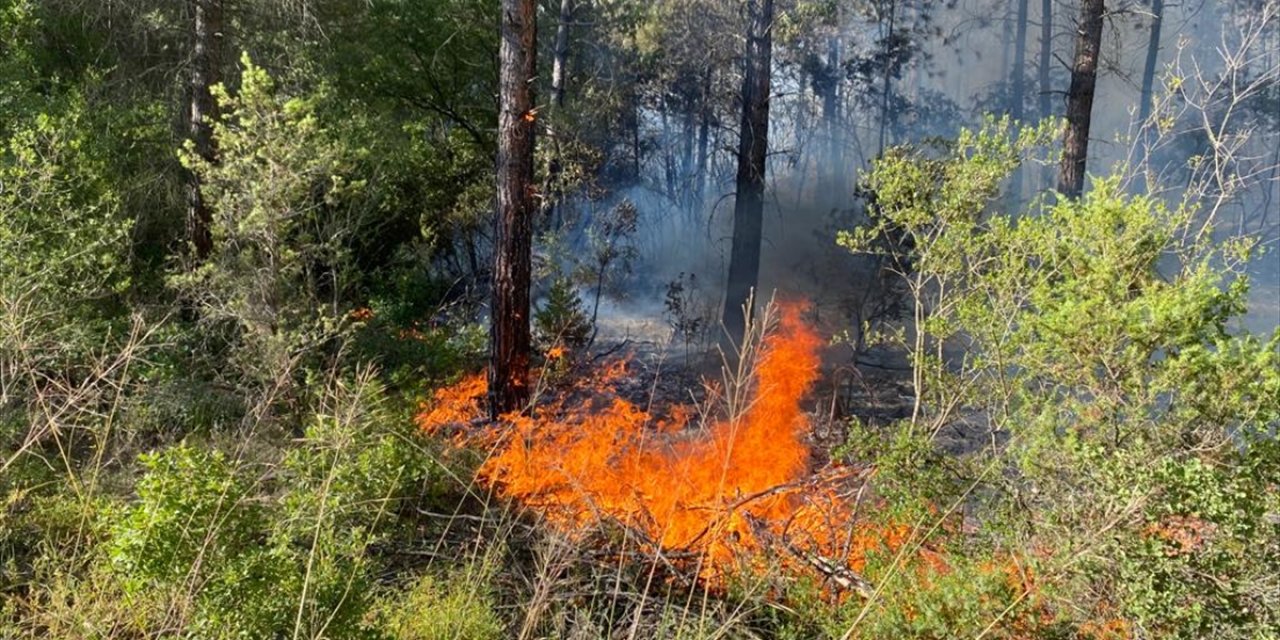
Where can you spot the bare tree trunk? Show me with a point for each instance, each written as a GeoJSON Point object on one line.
{"type": "Point", "coordinates": [688, 133]}
{"type": "Point", "coordinates": [1153, 54]}
{"type": "Point", "coordinates": [668, 155]}
{"type": "Point", "coordinates": [753, 147]}
{"type": "Point", "coordinates": [704, 127]}
{"type": "Point", "coordinates": [1046, 57]}
{"type": "Point", "coordinates": [888, 76]}
{"type": "Point", "coordinates": [1084, 79]}
{"type": "Point", "coordinates": [634, 124]}
{"type": "Point", "coordinates": [561, 53]}
{"type": "Point", "coordinates": [513, 237]}
{"type": "Point", "coordinates": [205, 73]}
{"type": "Point", "coordinates": [834, 162]}
{"type": "Point", "coordinates": [551, 204]}
{"type": "Point", "coordinates": [1016, 110]}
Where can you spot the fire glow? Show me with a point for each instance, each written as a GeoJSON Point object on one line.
{"type": "Point", "coordinates": [722, 494]}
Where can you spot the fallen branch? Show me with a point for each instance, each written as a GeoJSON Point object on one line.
{"type": "Point", "coordinates": [837, 572]}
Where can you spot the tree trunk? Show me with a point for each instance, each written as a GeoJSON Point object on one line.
{"type": "Point", "coordinates": [1046, 57]}
{"type": "Point", "coordinates": [704, 127]}
{"type": "Point", "coordinates": [686, 161]}
{"type": "Point", "coordinates": [668, 156]}
{"type": "Point", "coordinates": [753, 146]}
{"type": "Point", "coordinates": [205, 68]}
{"type": "Point", "coordinates": [1084, 79]}
{"type": "Point", "coordinates": [561, 54]}
{"type": "Point", "coordinates": [1016, 110]}
{"type": "Point", "coordinates": [834, 162]}
{"type": "Point", "coordinates": [1153, 54]}
{"type": "Point", "coordinates": [888, 76]}
{"type": "Point", "coordinates": [513, 237]}
{"type": "Point", "coordinates": [555, 168]}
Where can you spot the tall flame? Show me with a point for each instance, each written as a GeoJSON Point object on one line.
{"type": "Point", "coordinates": [720, 495]}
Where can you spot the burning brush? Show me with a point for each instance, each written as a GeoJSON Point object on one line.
{"type": "Point", "coordinates": [709, 499]}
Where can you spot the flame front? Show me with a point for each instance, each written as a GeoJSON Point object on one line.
{"type": "Point", "coordinates": [720, 494]}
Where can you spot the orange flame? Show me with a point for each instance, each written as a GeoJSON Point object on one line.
{"type": "Point", "coordinates": [459, 403]}
{"type": "Point", "coordinates": [721, 495]}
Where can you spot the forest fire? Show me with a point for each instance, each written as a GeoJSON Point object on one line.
{"type": "Point", "coordinates": [713, 498]}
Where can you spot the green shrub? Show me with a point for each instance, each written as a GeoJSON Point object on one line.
{"type": "Point", "coordinates": [282, 200]}
{"type": "Point", "coordinates": [358, 466]}
{"type": "Point", "coordinates": [561, 321]}
{"type": "Point", "coordinates": [456, 606]}
{"type": "Point", "coordinates": [197, 539]}
{"type": "Point", "coordinates": [194, 510]}
{"type": "Point", "coordinates": [202, 539]}
{"type": "Point", "coordinates": [1131, 447]}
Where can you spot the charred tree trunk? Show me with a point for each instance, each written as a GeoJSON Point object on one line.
{"type": "Point", "coordinates": [753, 147]}
{"type": "Point", "coordinates": [513, 237]}
{"type": "Point", "coordinates": [205, 72]}
{"type": "Point", "coordinates": [1084, 79]}
{"type": "Point", "coordinates": [1153, 55]}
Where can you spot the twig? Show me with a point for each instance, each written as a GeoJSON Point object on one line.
{"type": "Point", "coordinates": [610, 351]}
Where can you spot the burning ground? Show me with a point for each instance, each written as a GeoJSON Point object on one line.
{"type": "Point", "coordinates": [708, 496]}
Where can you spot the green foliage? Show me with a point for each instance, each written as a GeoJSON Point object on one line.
{"type": "Point", "coordinates": [457, 606]}
{"type": "Point", "coordinates": [972, 596]}
{"type": "Point", "coordinates": [1139, 458]}
{"type": "Point", "coordinates": [196, 536]}
{"type": "Point", "coordinates": [561, 320]}
{"type": "Point", "coordinates": [357, 466]}
{"type": "Point", "coordinates": [1206, 546]}
{"type": "Point", "coordinates": [244, 561]}
{"type": "Point", "coordinates": [412, 330]}
{"type": "Point", "coordinates": [420, 353]}
{"type": "Point", "coordinates": [192, 503]}
{"type": "Point", "coordinates": [19, 29]}
{"type": "Point", "coordinates": [282, 226]}
{"type": "Point", "coordinates": [1131, 474]}
{"type": "Point", "coordinates": [63, 230]}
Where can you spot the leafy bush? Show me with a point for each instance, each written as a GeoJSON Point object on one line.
{"type": "Point", "coordinates": [356, 468]}
{"type": "Point", "coordinates": [282, 227]}
{"type": "Point", "coordinates": [196, 538]}
{"type": "Point", "coordinates": [1129, 453]}
{"type": "Point", "coordinates": [64, 232]}
{"type": "Point", "coordinates": [205, 539]}
{"type": "Point", "coordinates": [457, 606]}
{"type": "Point", "coordinates": [561, 321]}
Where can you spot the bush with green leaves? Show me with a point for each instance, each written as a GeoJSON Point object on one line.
{"type": "Point", "coordinates": [197, 540]}
{"type": "Point", "coordinates": [235, 551]}
{"type": "Point", "coordinates": [457, 605]}
{"type": "Point", "coordinates": [284, 220]}
{"type": "Point", "coordinates": [1128, 453]}
{"type": "Point", "coordinates": [561, 320]}
{"type": "Point", "coordinates": [358, 466]}
{"type": "Point", "coordinates": [64, 232]}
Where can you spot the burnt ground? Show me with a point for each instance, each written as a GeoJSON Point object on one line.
{"type": "Point", "coordinates": [875, 390]}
